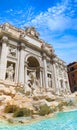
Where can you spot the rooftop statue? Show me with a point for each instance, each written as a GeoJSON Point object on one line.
{"type": "Point", "coordinates": [32, 31]}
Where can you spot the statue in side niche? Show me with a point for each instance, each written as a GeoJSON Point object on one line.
{"type": "Point", "coordinates": [10, 73]}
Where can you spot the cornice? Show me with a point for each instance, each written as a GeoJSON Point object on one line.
{"type": "Point", "coordinates": [6, 27]}
{"type": "Point", "coordinates": [19, 39]}
{"type": "Point", "coordinates": [47, 49]}
{"type": "Point", "coordinates": [9, 35]}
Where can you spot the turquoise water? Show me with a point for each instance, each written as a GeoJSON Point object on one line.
{"type": "Point", "coordinates": [62, 121]}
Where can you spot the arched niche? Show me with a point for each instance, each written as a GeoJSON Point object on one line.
{"type": "Point", "coordinates": [33, 66]}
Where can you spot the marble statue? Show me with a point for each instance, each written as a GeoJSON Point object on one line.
{"type": "Point", "coordinates": [10, 73]}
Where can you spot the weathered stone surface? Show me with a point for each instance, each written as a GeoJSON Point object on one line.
{"type": "Point", "coordinates": [30, 63]}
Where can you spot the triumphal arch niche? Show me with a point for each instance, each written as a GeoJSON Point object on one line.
{"type": "Point", "coordinates": [28, 60]}
{"type": "Point", "coordinates": [33, 71]}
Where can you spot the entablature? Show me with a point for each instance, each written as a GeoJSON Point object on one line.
{"type": "Point", "coordinates": [30, 37]}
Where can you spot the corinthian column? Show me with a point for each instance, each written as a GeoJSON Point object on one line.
{"type": "Point", "coordinates": [41, 77]}
{"type": "Point", "coordinates": [21, 63]}
{"type": "Point", "coordinates": [45, 72]}
{"type": "Point", "coordinates": [53, 74]}
{"type": "Point", "coordinates": [3, 61]}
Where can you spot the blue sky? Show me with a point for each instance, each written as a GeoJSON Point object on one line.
{"type": "Point", "coordinates": [56, 21]}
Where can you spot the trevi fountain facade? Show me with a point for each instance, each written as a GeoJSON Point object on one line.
{"type": "Point", "coordinates": [27, 60]}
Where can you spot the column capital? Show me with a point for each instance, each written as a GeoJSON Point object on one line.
{"type": "Point", "coordinates": [53, 61]}
{"type": "Point", "coordinates": [44, 56]}
{"type": "Point", "coordinates": [22, 46]}
{"type": "Point", "coordinates": [4, 39]}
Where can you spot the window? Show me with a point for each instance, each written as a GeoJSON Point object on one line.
{"type": "Point", "coordinates": [72, 75]}
{"type": "Point", "coordinates": [72, 68]}
{"type": "Point", "coordinates": [49, 75]}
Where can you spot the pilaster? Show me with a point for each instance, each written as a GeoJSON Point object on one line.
{"type": "Point", "coordinates": [64, 86]}
{"type": "Point", "coordinates": [56, 81]}
{"type": "Point", "coordinates": [18, 64]}
{"type": "Point", "coordinates": [53, 74]}
{"type": "Point", "coordinates": [68, 85]}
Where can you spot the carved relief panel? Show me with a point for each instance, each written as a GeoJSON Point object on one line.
{"type": "Point", "coordinates": [12, 51]}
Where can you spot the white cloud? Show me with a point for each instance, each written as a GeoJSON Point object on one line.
{"type": "Point", "coordinates": [53, 25]}
{"type": "Point", "coordinates": [55, 18]}
{"type": "Point", "coordinates": [66, 48]}
{"type": "Point", "coordinates": [10, 10]}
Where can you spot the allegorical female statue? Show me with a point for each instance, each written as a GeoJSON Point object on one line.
{"type": "Point", "coordinates": [10, 73]}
